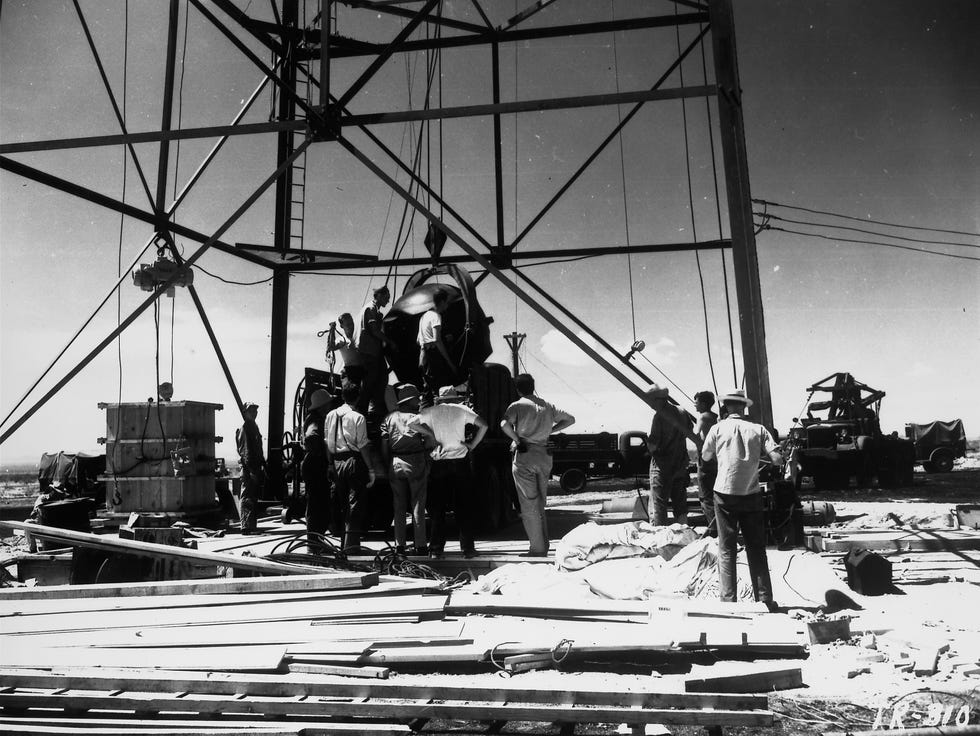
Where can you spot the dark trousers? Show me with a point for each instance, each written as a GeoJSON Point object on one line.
{"type": "Point", "coordinates": [317, 506]}
{"type": "Point", "coordinates": [436, 373]}
{"type": "Point", "coordinates": [252, 483]}
{"type": "Point", "coordinates": [668, 484]}
{"type": "Point", "coordinates": [349, 498]}
{"type": "Point", "coordinates": [451, 484]}
{"type": "Point", "coordinates": [373, 384]}
{"type": "Point", "coordinates": [707, 473]}
{"type": "Point", "coordinates": [748, 514]}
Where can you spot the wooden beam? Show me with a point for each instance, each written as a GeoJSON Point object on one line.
{"type": "Point", "coordinates": [748, 679]}
{"type": "Point", "coordinates": [146, 549]}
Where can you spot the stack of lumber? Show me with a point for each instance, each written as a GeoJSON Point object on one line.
{"type": "Point", "coordinates": [286, 652]}
{"type": "Point", "coordinates": [893, 540]}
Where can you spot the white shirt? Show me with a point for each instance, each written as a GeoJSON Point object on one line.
{"type": "Point", "coordinates": [738, 444]}
{"type": "Point", "coordinates": [345, 430]}
{"type": "Point", "coordinates": [345, 346]}
{"type": "Point", "coordinates": [448, 423]}
{"type": "Point", "coordinates": [427, 327]}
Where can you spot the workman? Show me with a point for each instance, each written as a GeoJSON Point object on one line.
{"type": "Point", "coordinates": [707, 469]}
{"type": "Point", "coordinates": [345, 430]}
{"type": "Point", "coordinates": [435, 365]}
{"type": "Point", "coordinates": [529, 422]}
{"type": "Point", "coordinates": [340, 339]}
{"type": "Point", "coordinates": [668, 458]}
{"type": "Point", "coordinates": [403, 448]}
{"type": "Point", "coordinates": [249, 442]}
{"type": "Point", "coordinates": [451, 476]}
{"type": "Point", "coordinates": [738, 444]}
{"type": "Point", "coordinates": [315, 470]}
{"type": "Point", "coordinates": [371, 344]}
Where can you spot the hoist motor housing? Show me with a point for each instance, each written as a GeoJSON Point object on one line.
{"type": "Point", "coordinates": [149, 276]}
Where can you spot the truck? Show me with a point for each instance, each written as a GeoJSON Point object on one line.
{"type": "Point", "coordinates": [937, 444]}
{"type": "Point", "coordinates": [840, 438]}
{"type": "Point", "coordinates": [577, 457]}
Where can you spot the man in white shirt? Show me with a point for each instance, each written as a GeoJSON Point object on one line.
{"type": "Point", "coordinates": [435, 365]}
{"type": "Point", "coordinates": [342, 341]}
{"type": "Point", "coordinates": [345, 432]}
{"type": "Point", "coordinates": [739, 444]}
{"type": "Point", "coordinates": [529, 422]}
{"type": "Point", "coordinates": [451, 476]}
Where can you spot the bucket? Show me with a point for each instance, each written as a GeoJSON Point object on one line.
{"type": "Point", "coordinates": [69, 514]}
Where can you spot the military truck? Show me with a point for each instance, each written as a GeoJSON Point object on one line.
{"type": "Point", "coordinates": [937, 444]}
{"type": "Point", "coordinates": [577, 457]}
{"type": "Point", "coordinates": [840, 438]}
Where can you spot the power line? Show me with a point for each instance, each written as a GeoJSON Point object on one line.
{"type": "Point", "coordinates": [770, 216]}
{"type": "Point", "coordinates": [870, 242]}
{"type": "Point", "coordinates": [768, 203]}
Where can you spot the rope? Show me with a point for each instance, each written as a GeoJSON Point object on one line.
{"type": "Point", "coordinates": [622, 171]}
{"type": "Point", "coordinates": [714, 174]}
{"type": "Point", "coordinates": [694, 225]}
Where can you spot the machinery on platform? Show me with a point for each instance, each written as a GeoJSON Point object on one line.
{"type": "Point", "coordinates": [840, 438]}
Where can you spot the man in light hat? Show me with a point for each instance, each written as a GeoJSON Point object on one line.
{"type": "Point", "coordinates": [249, 442]}
{"type": "Point", "coordinates": [403, 449]}
{"type": "Point", "coordinates": [529, 422]}
{"type": "Point", "coordinates": [315, 469]}
{"type": "Point", "coordinates": [667, 444]}
{"type": "Point", "coordinates": [451, 476]}
{"type": "Point", "coordinates": [739, 444]}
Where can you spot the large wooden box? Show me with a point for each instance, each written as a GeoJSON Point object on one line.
{"type": "Point", "coordinates": [171, 419]}
{"type": "Point", "coordinates": [192, 494]}
{"type": "Point", "coordinates": [152, 456]}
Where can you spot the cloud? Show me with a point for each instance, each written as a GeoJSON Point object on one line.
{"type": "Point", "coordinates": [663, 351]}
{"type": "Point", "coordinates": [559, 349]}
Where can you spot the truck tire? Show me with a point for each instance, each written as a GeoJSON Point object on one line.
{"type": "Point", "coordinates": [572, 480]}
{"type": "Point", "coordinates": [941, 460]}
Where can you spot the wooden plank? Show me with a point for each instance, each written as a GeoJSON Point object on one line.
{"type": "Point", "coordinates": [393, 709]}
{"type": "Point", "coordinates": [145, 549]}
{"type": "Point", "coordinates": [746, 679]}
{"type": "Point", "coordinates": [346, 608]}
{"type": "Point", "coordinates": [467, 603]}
{"type": "Point", "coordinates": [381, 673]}
{"type": "Point", "coordinates": [191, 726]}
{"type": "Point", "coordinates": [23, 652]}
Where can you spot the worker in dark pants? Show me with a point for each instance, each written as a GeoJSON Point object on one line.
{"type": "Point", "coordinates": [667, 444]}
{"type": "Point", "coordinates": [371, 344]}
{"type": "Point", "coordinates": [451, 477]}
{"type": "Point", "coordinates": [707, 469]}
{"type": "Point", "coordinates": [435, 364]}
{"type": "Point", "coordinates": [345, 430]}
{"type": "Point", "coordinates": [315, 469]}
{"type": "Point", "coordinates": [249, 441]}
{"type": "Point", "coordinates": [739, 444]}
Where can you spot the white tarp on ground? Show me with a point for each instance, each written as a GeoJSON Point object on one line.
{"type": "Point", "coordinates": [636, 561]}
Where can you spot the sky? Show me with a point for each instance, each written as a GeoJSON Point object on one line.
{"type": "Point", "coordinates": [870, 110]}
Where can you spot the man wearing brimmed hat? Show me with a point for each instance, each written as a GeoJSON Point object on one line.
{"type": "Point", "coordinates": [249, 442]}
{"type": "Point", "coordinates": [403, 448]}
{"type": "Point", "coordinates": [451, 476]}
{"type": "Point", "coordinates": [529, 422]}
{"type": "Point", "coordinates": [345, 431]}
{"type": "Point", "coordinates": [315, 468]}
{"type": "Point", "coordinates": [739, 444]}
{"type": "Point", "coordinates": [669, 430]}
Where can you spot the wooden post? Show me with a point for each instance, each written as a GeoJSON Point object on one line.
{"type": "Point", "coordinates": [744, 257]}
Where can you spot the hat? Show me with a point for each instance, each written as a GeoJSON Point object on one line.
{"type": "Point", "coordinates": [656, 392]}
{"type": "Point", "coordinates": [249, 405]}
{"type": "Point", "coordinates": [320, 397]}
{"type": "Point", "coordinates": [406, 393]}
{"type": "Point", "coordinates": [738, 396]}
{"type": "Point", "coordinates": [447, 393]}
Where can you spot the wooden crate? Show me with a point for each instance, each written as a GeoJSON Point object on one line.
{"type": "Point", "coordinates": [171, 419]}
{"type": "Point", "coordinates": [149, 457]}
{"type": "Point", "coordinates": [194, 493]}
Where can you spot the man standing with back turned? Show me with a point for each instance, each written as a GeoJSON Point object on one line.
{"type": "Point", "coordinates": [529, 422]}
{"type": "Point", "coordinates": [738, 444]}
{"type": "Point", "coordinates": [669, 431]}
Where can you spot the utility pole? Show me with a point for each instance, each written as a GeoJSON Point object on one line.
{"type": "Point", "coordinates": [514, 340]}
